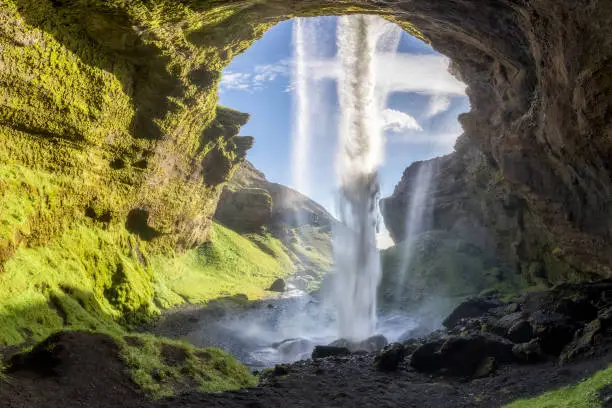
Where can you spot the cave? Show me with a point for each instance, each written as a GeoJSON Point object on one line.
{"type": "Point", "coordinates": [115, 83]}
{"type": "Point", "coordinates": [537, 134]}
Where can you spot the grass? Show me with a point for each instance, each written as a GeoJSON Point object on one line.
{"type": "Point", "coordinates": [581, 395]}
{"type": "Point", "coordinates": [228, 265]}
{"type": "Point", "coordinates": [163, 367]}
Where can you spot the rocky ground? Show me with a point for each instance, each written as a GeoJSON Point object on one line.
{"type": "Point", "coordinates": [491, 354]}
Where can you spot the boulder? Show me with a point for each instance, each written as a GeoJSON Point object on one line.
{"type": "Point", "coordinates": [520, 332]}
{"type": "Point", "coordinates": [390, 357]}
{"type": "Point", "coordinates": [462, 356]}
{"type": "Point", "coordinates": [329, 351]}
{"type": "Point", "coordinates": [278, 285]}
{"type": "Point", "coordinates": [373, 343]}
{"type": "Point", "coordinates": [426, 358]}
{"type": "Point", "coordinates": [529, 352]}
{"type": "Point", "coordinates": [580, 310]}
{"type": "Point", "coordinates": [470, 308]}
{"type": "Point", "coordinates": [583, 341]}
{"type": "Point", "coordinates": [553, 330]}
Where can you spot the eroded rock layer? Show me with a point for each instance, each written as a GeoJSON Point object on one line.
{"type": "Point", "coordinates": [117, 101]}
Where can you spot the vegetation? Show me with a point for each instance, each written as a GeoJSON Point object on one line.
{"type": "Point", "coordinates": [163, 367]}
{"type": "Point", "coordinates": [582, 395]}
{"type": "Point", "coordinates": [444, 265]}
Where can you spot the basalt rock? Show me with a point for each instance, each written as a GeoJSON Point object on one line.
{"type": "Point", "coordinates": [329, 351]}
{"type": "Point", "coordinates": [462, 356]}
{"type": "Point", "coordinates": [390, 357]}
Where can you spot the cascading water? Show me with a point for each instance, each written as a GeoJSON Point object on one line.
{"type": "Point", "coordinates": [417, 219]}
{"type": "Point", "coordinates": [357, 260]}
{"type": "Point", "coordinates": [302, 103]}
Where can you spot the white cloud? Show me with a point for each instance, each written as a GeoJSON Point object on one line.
{"type": "Point", "coordinates": [255, 80]}
{"type": "Point", "coordinates": [437, 105]}
{"type": "Point", "coordinates": [398, 122]}
{"type": "Point", "coordinates": [396, 72]}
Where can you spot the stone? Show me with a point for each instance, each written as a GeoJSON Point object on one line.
{"type": "Point", "coordinates": [486, 368]}
{"type": "Point", "coordinates": [470, 308]}
{"type": "Point", "coordinates": [520, 332]}
{"type": "Point", "coordinates": [390, 357]}
{"type": "Point", "coordinates": [426, 358]}
{"type": "Point", "coordinates": [278, 285]}
{"type": "Point", "coordinates": [580, 310]}
{"type": "Point", "coordinates": [583, 341]}
{"type": "Point", "coordinates": [373, 343]}
{"type": "Point", "coordinates": [329, 351]}
{"type": "Point", "coordinates": [529, 352]}
{"type": "Point", "coordinates": [461, 356]}
{"type": "Point", "coordinates": [281, 369]}
{"type": "Point", "coordinates": [553, 330]}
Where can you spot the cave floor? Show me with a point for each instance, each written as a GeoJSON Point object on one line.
{"type": "Point", "coordinates": [88, 373]}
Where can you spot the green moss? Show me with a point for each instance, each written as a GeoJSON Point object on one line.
{"type": "Point", "coordinates": [582, 395]}
{"type": "Point", "coordinates": [229, 264]}
{"type": "Point", "coordinates": [446, 266]}
{"type": "Point", "coordinates": [163, 367]}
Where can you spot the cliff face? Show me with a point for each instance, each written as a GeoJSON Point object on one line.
{"type": "Point", "coordinates": [250, 203]}
{"type": "Point", "coordinates": [108, 116]}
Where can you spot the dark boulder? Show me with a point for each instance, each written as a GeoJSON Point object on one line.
{"type": "Point", "coordinates": [553, 330]}
{"type": "Point", "coordinates": [529, 352]}
{"type": "Point", "coordinates": [462, 356]}
{"type": "Point", "coordinates": [583, 341]}
{"type": "Point", "coordinates": [426, 357]}
{"type": "Point", "coordinates": [520, 332]}
{"type": "Point", "coordinates": [580, 310]}
{"type": "Point", "coordinates": [278, 285]}
{"type": "Point", "coordinates": [329, 351]}
{"type": "Point", "coordinates": [470, 308]}
{"type": "Point", "coordinates": [390, 357]}
{"type": "Point", "coordinates": [373, 343]}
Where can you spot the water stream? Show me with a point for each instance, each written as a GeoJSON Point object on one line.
{"type": "Point", "coordinates": [287, 329]}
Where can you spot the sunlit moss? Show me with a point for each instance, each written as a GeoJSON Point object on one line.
{"type": "Point", "coordinates": [583, 395]}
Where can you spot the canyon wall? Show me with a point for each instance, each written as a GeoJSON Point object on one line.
{"type": "Point", "coordinates": [108, 117]}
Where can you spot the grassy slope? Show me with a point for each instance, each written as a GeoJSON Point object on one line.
{"type": "Point", "coordinates": [97, 276]}
{"type": "Point", "coordinates": [582, 395]}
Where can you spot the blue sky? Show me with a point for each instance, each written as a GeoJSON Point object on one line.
{"type": "Point", "coordinates": [421, 119]}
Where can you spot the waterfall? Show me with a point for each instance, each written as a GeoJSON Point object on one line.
{"type": "Point", "coordinates": [417, 219]}
{"type": "Point", "coordinates": [302, 112]}
{"type": "Point", "coordinates": [357, 260]}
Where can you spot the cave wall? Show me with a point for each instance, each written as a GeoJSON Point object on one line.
{"type": "Point", "coordinates": [118, 99]}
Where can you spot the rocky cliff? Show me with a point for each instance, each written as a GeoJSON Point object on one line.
{"type": "Point", "coordinates": [250, 203]}
{"type": "Point", "coordinates": [108, 118]}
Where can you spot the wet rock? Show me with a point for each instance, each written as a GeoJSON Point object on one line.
{"type": "Point", "coordinates": [583, 341]}
{"type": "Point", "coordinates": [580, 310]}
{"type": "Point", "coordinates": [329, 351]}
{"type": "Point", "coordinates": [486, 368]}
{"type": "Point", "coordinates": [278, 285]}
{"type": "Point", "coordinates": [503, 325]}
{"type": "Point", "coordinates": [373, 343]}
{"type": "Point", "coordinates": [605, 316]}
{"type": "Point", "coordinates": [470, 308]}
{"type": "Point", "coordinates": [426, 357]}
{"type": "Point", "coordinates": [529, 352]}
{"type": "Point", "coordinates": [390, 357]}
{"type": "Point", "coordinates": [520, 332]}
{"type": "Point", "coordinates": [553, 330]}
{"type": "Point", "coordinates": [281, 369]}
{"type": "Point", "coordinates": [461, 356]}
